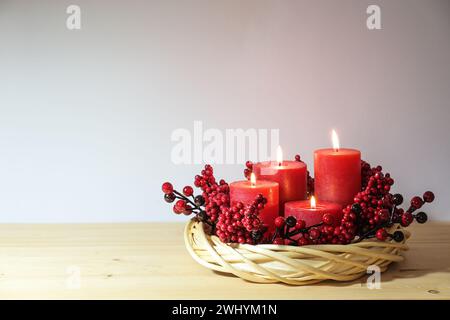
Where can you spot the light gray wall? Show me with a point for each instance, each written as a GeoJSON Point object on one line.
{"type": "Point", "coordinates": [86, 116]}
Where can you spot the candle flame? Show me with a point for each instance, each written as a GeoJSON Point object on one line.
{"type": "Point", "coordinates": [279, 156]}
{"type": "Point", "coordinates": [313, 202]}
{"type": "Point", "coordinates": [335, 140]}
{"type": "Point", "coordinates": [253, 179]}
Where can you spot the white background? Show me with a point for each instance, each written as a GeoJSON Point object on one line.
{"type": "Point", "coordinates": [86, 116]}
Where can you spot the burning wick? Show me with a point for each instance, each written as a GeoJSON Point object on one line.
{"type": "Point", "coordinates": [253, 180]}
{"type": "Point", "coordinates": [313, 202]}
{"type": "Point", "coordinates": [335, 140]}
{"type": "Point", "coordinates": [279, 156]}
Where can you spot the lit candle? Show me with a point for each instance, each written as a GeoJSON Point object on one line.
{"type": "Point", "coordinates": [246, 192]}
{"type": "Point", "coordinates": [337, 173]}
{"type": "Point", "coordinates": [290, 175]}
{"type": "Point", "coordinates": [312, 211]}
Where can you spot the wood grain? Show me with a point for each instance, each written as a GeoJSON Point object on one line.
{"type": "Point", "coordinates": [149, 261]}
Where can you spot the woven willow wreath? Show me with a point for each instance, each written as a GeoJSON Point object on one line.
{"type": "Point", "coordinates": [269, 263]}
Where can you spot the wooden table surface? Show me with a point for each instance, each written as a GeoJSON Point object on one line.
{"type": "Point", "coordinates": [149, 261]}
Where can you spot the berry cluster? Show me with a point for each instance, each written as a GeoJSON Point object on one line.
{"type": "Point", "coordinates": [237, 223]}
{"type": "Point", "coordinates": [240, 223]}
{"type": "Point", "coordinates": [371, 215]}
{"type": "Point", "coordinates": [216, 196]}
{"type": "Point", "coordinates": [373, 212]}
{"type": "Point", "coordinates": [186, 203]}
{"type": "Point", "coordinates": [377, 209]}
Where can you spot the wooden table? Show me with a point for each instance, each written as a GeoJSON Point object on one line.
{"type": "Point", "coordinates": [148, 261]}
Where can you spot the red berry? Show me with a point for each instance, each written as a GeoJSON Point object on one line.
{"type": "Point", "coordinates": [328, 219]}
{"type": "Point", "coordinates": [428, 196]}
{"type": "Point", "coordinates": [188, 191]}
{"type": "Point", "coordinates": [187, 210]}
{"type": "Point", "coordinates": [303, 241]}
{"type": "Point", "coordinates": [314, 234]}
{"type": "Point", "coordinates": [381, 234]}
{"type": "Point", "coordinates": [249, 164]}
{"type": "Point", "coordinates": [181, 204]}
{"type": "Point", "coordinates": [177, 210]}
{"type": "Point", "coordinates": [279, 222]}
{"type": "Point", "coordinates": [406, 219]}
{"type": "Point", "coordinates": [383, 214]}
{"type": "Point", "coordinates": [167, 187]}
{"type": "Point", "coordinates": [278, 241]}
{"type": "Point", "coordinates": [416, 202]}
{"type": "Point", "coordinates": [301, 224]}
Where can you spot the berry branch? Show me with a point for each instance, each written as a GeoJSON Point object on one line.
{"type": "Point", "coordinates": [374, 210]}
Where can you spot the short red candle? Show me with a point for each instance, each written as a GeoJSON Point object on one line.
{"type": "Point", "coordinates": [290, 175]}
{"type": "Point", "coordinates": [337, 175]}
{"type": "Point", "coordinates": [246, 192]}
{"type": "Point", "coordinates": [302, 210]}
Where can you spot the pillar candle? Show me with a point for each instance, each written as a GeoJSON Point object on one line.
{"type": "Point", "coordinates": [290, 175]}
{"type": "Point", "coordinates": [312, 212]}
{"type": "Point", "coordinates": [246, 192]}
{"type": "Point", "coordinates": [337, 173]}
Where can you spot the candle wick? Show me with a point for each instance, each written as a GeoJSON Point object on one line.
{"type": "Point", "coordinates": [279, 164]}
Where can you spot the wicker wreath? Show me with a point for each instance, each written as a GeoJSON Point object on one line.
{"type": "Point", "coordinates": [269, 263]}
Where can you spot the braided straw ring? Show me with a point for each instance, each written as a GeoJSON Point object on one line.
{"type": "Point", "coordinates": [269, 263]}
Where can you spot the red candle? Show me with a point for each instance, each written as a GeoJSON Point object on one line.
{"type": "Point", "coordinates": [337, 173]}
{"type": "Point", "coordinates": [312, 212]}
{"type": "Point", "coordinates": [246, 192]}
{"type": "Point", "coordinates": [290, 175]}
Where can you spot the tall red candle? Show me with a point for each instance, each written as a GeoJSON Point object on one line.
{"type": "Point", "coordinates": [246, 192]}
{"type": "Point", "coordinates": [312, 212]}
{"type": "Point", "coordinates": [290, 175]}
{"type": "Point", "coordinates": [337, 173]}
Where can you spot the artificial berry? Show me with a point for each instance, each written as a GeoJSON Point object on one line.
{"type": "Point", "coordinates": [249, 164]}
{"type": "Point", "coordinates": [199, 200]}
{"type": "Point", "coordinates": [181, 204]}
{"type": "Point", "coordinates": [421, 217]}
{"type": "Point", "coordinates": [167, 187]}
{"type": "Point", "coordinates": [297, 158]}
{"type": "Point", "coordinates": [328, 219]}
{"type": "Point", "coordinates": [303, 241]}
{"type": "Point", "coordinates": [398, 236]}
{"type": "Point", "coordinates": [428, 196]}
{"type": "Point", "coordinates": [314, 234]}
{"type": "Point", "coordinates": [381, 234]}
{"type": "Point", "coordinates": [169, 197]}
{"type": "Point", "coordinates": [279, 222]}
{"type": "Point", "coordinates": [278, 241]}
{"type": "Point", "coordinates": [301, 224]}
{"type": "Point", "coordinates": [187, 210]}
{"type": "Point", "coordinates": [188, 191]}
{"type": "Point", "coordinates": [416, 202]}
{"type": "Point", "coordinates": [406, 219]}
{"type": "Point", "coordinates": [397, 199]}
{"type": "Point", "coordinates": [383, 214]}
{"type": "Point", "coordinates": [291, 221]}
{"type": "Point", "coordinates": [177, 210]}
